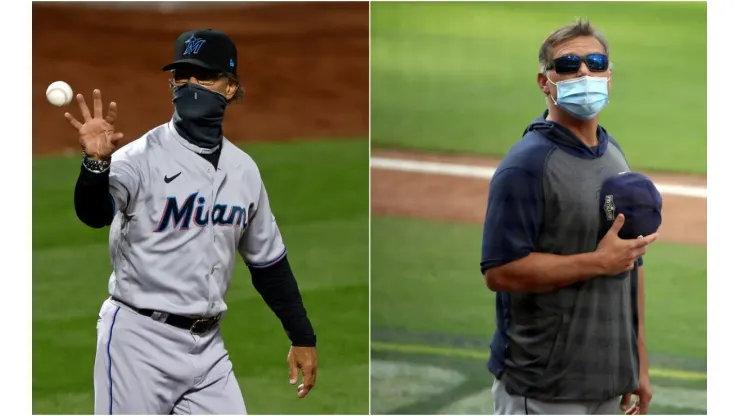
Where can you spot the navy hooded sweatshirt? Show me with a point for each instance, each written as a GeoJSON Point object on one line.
{"type": "Point", "coordinates": [578, 342]}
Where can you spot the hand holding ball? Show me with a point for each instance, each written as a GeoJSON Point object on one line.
{"type": "Point", "coordinates": [59, 93]}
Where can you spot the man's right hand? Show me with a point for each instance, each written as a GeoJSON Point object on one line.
{"type": "Point", "coordinates": [97, 136]}
{"type": "Point", "coordinates": [617, 255]}
{"type": "Point", "coordinates": [303, 359]}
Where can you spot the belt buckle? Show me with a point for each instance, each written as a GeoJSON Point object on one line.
{"type": "Point", "coordinates": [205, 328]}
{"type": "Point", "coordinates": [209, 323]}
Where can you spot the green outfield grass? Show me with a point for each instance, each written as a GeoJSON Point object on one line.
{"type": "Point", "coordinates": [461, 77]}
{"type": "Point", "coordinates": [318, 191]}
{"type": "Point", "coordinates": [432, 319]}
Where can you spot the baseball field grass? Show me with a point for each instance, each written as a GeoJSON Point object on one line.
{"type": "Point", "coordinates": [433, 316]}
{"type": "Point", "coordinates": [462, 77]}
{"type": "Point", "coordinates": [318, 192]}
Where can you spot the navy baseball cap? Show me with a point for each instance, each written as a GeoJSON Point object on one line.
{"type": "Point", "coordinates": [635, 196]}
{"type": "Point", "coordinates": [206, 48]}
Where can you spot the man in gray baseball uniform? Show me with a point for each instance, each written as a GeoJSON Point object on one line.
{"type": "Point", "coordinates": [181, 201]}
{"type": "Point", "coordinates": [570, 333]}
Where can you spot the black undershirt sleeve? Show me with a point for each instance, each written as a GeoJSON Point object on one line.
{"type": "Point", "coordinates": [278, 287]}
{"type": "Point", "coordinates": [93, 203]}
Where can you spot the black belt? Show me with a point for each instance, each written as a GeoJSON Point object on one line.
{"type": "Point", "coordinates": [197, 326]}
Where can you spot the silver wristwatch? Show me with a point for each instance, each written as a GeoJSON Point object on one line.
{"type": "Point", "coordinates": [94, 166]}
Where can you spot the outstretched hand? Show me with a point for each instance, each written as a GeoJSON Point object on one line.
{"type": "Point", "coordinates": [97, 135]}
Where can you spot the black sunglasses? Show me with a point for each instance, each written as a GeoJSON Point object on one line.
{"type": "Point", "coordinates": [180, 75]}
{"type": "Point", "coordinates": [569, 64]}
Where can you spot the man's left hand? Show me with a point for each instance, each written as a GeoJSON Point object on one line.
{"type": "Point", "coordinates": [305, 360]}
{"type": "Point", "coordinates": [644, 396]}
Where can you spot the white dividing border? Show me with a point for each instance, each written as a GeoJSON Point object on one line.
{"type": "Point", "coordinates": [480, 172]}
{"type": "Point", "coordinates": [15, 238]}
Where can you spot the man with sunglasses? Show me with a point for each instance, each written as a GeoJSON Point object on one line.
{"type": "Point", "coordinates": [569, 335]}
{"type": "Point", "coordinates": [181, 202]}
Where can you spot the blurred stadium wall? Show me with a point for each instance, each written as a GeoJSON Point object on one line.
{"type": "Point", "coordinates": [304, 65]}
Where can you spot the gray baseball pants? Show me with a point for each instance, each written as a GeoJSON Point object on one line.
{"type": "Point", "coordinates": [144, 366]}
{"type": "Point", "coordinates": [507, 404]}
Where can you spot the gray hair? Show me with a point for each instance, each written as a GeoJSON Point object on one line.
{"type": "Point", "coordinates": [579, 28]}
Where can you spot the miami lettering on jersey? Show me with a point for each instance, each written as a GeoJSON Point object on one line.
{"type": "Point", "coordinates": [193, 209]}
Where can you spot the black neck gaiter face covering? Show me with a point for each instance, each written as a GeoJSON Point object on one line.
{"type": "Point", "coordinates": [199, 115]}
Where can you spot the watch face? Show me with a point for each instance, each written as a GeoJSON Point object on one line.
{"type": "Point", "coordinates": [95, 165]}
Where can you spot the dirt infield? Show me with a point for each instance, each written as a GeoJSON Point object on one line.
{"type": "Point", "coordinates": [304, 67]}
{"type": "Point", "coordinates": [450, 198]}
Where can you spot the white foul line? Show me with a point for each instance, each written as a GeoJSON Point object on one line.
{"type": "Point", "coordinates": [480, 172]}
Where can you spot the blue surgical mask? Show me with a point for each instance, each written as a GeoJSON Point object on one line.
{"type": "Point", "coordinates": [583, 97]}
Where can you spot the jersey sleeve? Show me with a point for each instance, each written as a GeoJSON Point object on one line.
{"type": "Point", "coordinates": [261, 244]}
{"type": "Point", "coordinates": [123, 182]}
{"type": "Point", "coordinates": [514, 217]}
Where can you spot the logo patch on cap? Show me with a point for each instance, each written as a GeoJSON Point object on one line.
{"type": "Point", "coordinates": [193, 45]}
{"type": "Point", "coordinates": [231, 63]}
{"type": "Point", "coordinates": [609, 207]}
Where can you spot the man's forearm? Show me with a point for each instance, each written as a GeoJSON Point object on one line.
{"type": "Point", "coordinates": [279, 289]}
{"type": "Point", "coordinates": [92, 200]}
{"type": "Point", "coordinates": [641, 343]}
{"type": "Point", "coordinates": [542, 272]}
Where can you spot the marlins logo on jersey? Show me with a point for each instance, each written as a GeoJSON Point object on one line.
{"type": "Point", "coordinates": [181, 223]}
{"type": "Point", "coordinates": [193, 209]}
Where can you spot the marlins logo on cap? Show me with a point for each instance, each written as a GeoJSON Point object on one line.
{"type": "Point", "coordinates": [205, 48]}
{"type": "Point", "coordinates": [193, 45]}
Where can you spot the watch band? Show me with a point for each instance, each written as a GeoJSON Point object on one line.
{"type": "Point", "coordinates": [95, 166]}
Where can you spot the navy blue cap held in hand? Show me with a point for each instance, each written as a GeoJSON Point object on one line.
{"type": "Point", "coordinates": [635, 196]}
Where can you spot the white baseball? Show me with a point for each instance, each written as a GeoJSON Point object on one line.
{"type": "Point", "coordinates": [59, 93]}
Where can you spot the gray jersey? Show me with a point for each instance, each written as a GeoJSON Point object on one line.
{"type": "Point", "coordinates": [180, 222]}
{"type": "Point", "coordinates": [577, 343]}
